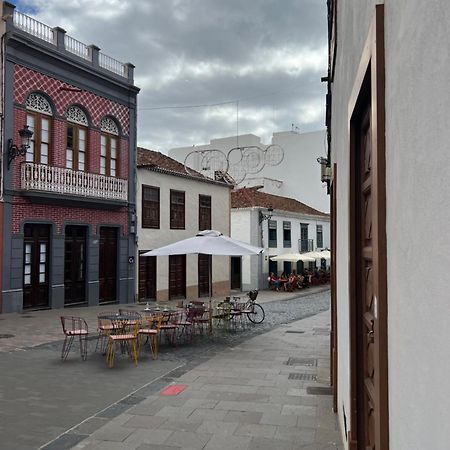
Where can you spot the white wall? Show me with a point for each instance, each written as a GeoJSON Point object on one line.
{"type": "Point", "coordinates": [298, 175]}
{"type": "Point", "coordinates": [245, 226]}
{"type": "Point", "coordinates": [418, 248]}
{"type": "Point", "coordinates": [149, 239]}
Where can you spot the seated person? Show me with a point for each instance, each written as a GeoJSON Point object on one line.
{"type": "Point", "coordinates": [292, 282]}
{"type": "Point", "coordinates": [306, 278]}
{"type": "Point", "coordinates": [283, 280]}
{"type": "Point", "coordinates": [274, 281]}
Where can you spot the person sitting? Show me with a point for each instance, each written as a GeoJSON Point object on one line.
{"type": "Point", "coordinates": [292, 282]}
{"type": "Point", "coordinates": [305, 278]}
{"type": "Point", "coordinates": [274, 281]}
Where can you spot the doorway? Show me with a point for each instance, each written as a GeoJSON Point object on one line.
{"type": "Point", "coordinates": [177, 277]}
{"type": "Point", "coordinates": [236, 270]}
{"type": "Point", "coordinates": [147, 277]}
{"type": "Point", "coordinates": [36, 258]}
{"type": "Point", "coordinates": [75, 265]}
{"type": "Point", "coordinates": [203, 274]}
{"type": "Point", "coordinates": [108, 265]}
{"type": "Point", "coordinates": [368, 287]}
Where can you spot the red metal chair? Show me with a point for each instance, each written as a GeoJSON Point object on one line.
{"type": "Point", "coordinates": [74, 327]}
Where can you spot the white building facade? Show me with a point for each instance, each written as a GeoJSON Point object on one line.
{"type": "Point", "coordinates": [388, 108]}
{"type": "Point", "coordinates": [296, 176]}
{"type": "Point", "coordinates": [172, 206]}
{"type": "Point", "coordinates": [292, 228]}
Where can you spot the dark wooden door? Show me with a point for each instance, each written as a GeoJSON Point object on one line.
{"type": "Point", "coordinates": [236, 270]}
{"type": "Point", "coordinates": [147, 278]}
{"type": "Point", "coordinates": [366, 317]}
{"type": "Point", "coordinates": [75, 265]}
{"type": "Point", "coordinates": [177, 276]}
{"type": "Point", "coordinates": [36, 260]}
{"type": "Point", "coordinates": [108, 265]}
{"type": "Point", "coordinates": [203, 274]}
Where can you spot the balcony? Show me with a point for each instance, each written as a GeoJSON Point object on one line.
{"type": "Point", "coordinates": [59, 180]}
{"type": "Point", "coordinates": [305, 245]}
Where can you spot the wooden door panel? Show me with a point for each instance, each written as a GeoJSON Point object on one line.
{"type": "Point", "coordinates": [108, 265]}
{"type": "Point", "coordinates": [147, 277]}
{"type": "Point", "coordinates": [177, 276]}
{"type": "Point", "coordinates": [74, 265]}
{"type": "Point", "coordinates": [36, 264]}
{"type": "Point", "coordinates": [203, 275]}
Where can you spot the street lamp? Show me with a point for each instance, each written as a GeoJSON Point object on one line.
{"type": "Point", "coordinates": [13, 150]}
{"type": "Point", "coordinates": [267, 216]}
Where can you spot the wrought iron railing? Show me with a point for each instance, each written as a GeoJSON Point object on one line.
{"type": "Point", "coordinates": [58, 180]}
{"type": "Point", "coordinates": [305, 245]}
{"type": "Point", "coordinates": [111, 64]}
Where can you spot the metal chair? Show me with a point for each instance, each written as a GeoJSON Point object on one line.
{"type": "Point", "coordinates": [104, 327]}
{"type": "Point", "coordinates": [150, 328]}
{"type": "Point", "coordinates": [126, 337]}
{"type": "Point", "coordinates": [74, 327]}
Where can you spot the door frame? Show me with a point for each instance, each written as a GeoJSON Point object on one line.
{"type": "Point", "coordinates": [370, 79]}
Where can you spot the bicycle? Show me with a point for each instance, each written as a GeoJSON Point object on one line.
{"type": "Point", "coordinates": [255, 312]}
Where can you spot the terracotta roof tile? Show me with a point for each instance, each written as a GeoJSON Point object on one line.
{"type": "Point", "coordinates": [159, 162]}
{"type": "Point", "coordinates": [253, 197]}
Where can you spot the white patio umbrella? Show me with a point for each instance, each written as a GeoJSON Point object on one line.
{"type": "Point", "coordinates": [208, 242]}
{"type": "Point", "coordinates": [293, 257]}
{"type": "Point", "coordinates": [318, 255]}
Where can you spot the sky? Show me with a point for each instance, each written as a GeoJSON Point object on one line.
{"type": "Point", "coordinates": [208, 68]}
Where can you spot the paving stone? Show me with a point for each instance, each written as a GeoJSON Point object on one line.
{"type": "Point", "coordinates": [112, 433]}
{"type": "Point", "coordinates": [175, 411]}
{"type": "Point", "coordinates": [188, 439]}
{"type": "Point", "coordinates": [221, 442]}
{"type": "Point", "coordinates": [90, 425]}
{"type": "Point", "coordinates": [155, 436]}
{"type": "Point", "coordinates": [279, 419]}
{"type": "Point", "coordinates": [217, 427]}
{"type": "Point", "coordinates": [141, 421]}
{"type": "Point", "coordinates": [181, 424]}
{"type": "Point", "coordinates": [243, 416]}
{"type": "Point", "coordinates": [260, 443]}
{"type": "Point", "coordinates": [209, 414]}
{"type": "Point", "coordinates": [299, 410]}
{"type": "Point", "coordinates": [300, 436]}
{"type": "Point", "coordinates": [200, 403]}
{"type": "Point", "coordinates": [256, 430]}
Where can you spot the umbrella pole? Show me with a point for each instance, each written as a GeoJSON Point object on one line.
{"type": "Point", "coordinates": [210, 294]}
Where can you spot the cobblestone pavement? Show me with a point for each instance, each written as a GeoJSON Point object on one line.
{"type": "Point", "coordinates": [41, 397]}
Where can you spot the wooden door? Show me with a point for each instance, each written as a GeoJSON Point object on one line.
{"type": "Point", "coordinates": [236, 269]}
{"type": "Point", "coordinates": [368, 291]}
{"type": "Point", "coordinates": [203, 274]}
{"type": "Point", "coordinates": [147, 278]}
{"type": "Point", "coordinates": [75, 265]}
{"type": "Point", "coordinates": [177, 276]}
{"type": "Point", "coordinates": [36, 266]}
{"type": "Point", "coordinates": [108, 265]}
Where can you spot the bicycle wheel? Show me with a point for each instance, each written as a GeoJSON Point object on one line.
{"type": "Point", "coordinates": [257, 315]}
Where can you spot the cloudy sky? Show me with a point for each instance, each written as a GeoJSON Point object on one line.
{"type": "Point", "coordinates": [207, 68]}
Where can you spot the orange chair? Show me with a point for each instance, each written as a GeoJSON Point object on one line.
{"type": "Point", "coordinates": [150, 328]}
{"type": "Point", "coordinates": [127, 337]}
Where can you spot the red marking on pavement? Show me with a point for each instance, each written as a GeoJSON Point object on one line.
{"type": "Point", "coordinates": [174, 389]}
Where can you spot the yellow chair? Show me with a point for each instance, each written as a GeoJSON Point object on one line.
{"type": "Point", "coordinates": [150, 328]}
{"type": "Point", "coordinates": [127, 337]}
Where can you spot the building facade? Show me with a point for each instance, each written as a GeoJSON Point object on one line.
{"type": "Point", "coordinates": [296, 174]}
{"type": "Point", "coordinates": [174, 205]}
{"type": "Point", "coordinates": [387, 108]}
{"type": "Point", "coordinates": [292, 227]}
{"type": "Point", "coordinates": [68, 198]}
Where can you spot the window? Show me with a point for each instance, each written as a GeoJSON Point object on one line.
{"type": "Point", "coordinates": [150, 207]}
{"type": "Point", "coordinates": [319, 236]}
{"type": "Point", "coordinates": [272, 233]}
{"type": "Point", "coordinates": [305, 245]}
{"type": "Point", "coordinates": [204, 212]}
{"type": "Point", "coordinates": [177, 210]}
{"type": "Point", "coordinates": [76, 138]}
{"type": "Point", "coordinates": [287, 234]}
{"type": "Point", "coordinates": [108, 147]}
{"type": "Point", "coordinates": [39, 114]}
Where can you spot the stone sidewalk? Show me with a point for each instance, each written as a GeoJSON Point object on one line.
{"type": "Point", "coordinates": [269, 392]}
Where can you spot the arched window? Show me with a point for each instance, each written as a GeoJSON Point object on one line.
{"type": "Point", "coordinates": [39, 113]}
{"type": "Point", "coordinates": [108, 147]}
{"type": "Point", "coordinates": [76, 142]}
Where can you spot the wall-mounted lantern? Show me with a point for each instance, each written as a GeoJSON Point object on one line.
{"type": "Point", "coordinates": [13, 150]}
{"type": "Point", "coordinates": [267, 216]}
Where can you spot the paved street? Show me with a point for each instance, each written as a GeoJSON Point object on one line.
{"type": "Point", "coordinates": [41, 397]}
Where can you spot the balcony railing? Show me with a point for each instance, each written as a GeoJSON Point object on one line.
{"type": "Point", "coordinates": [305, 245]}
{"type": "Point", "coordinates": [58, 180]}
{"type": "Point", "coordinates": [34, 27]}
